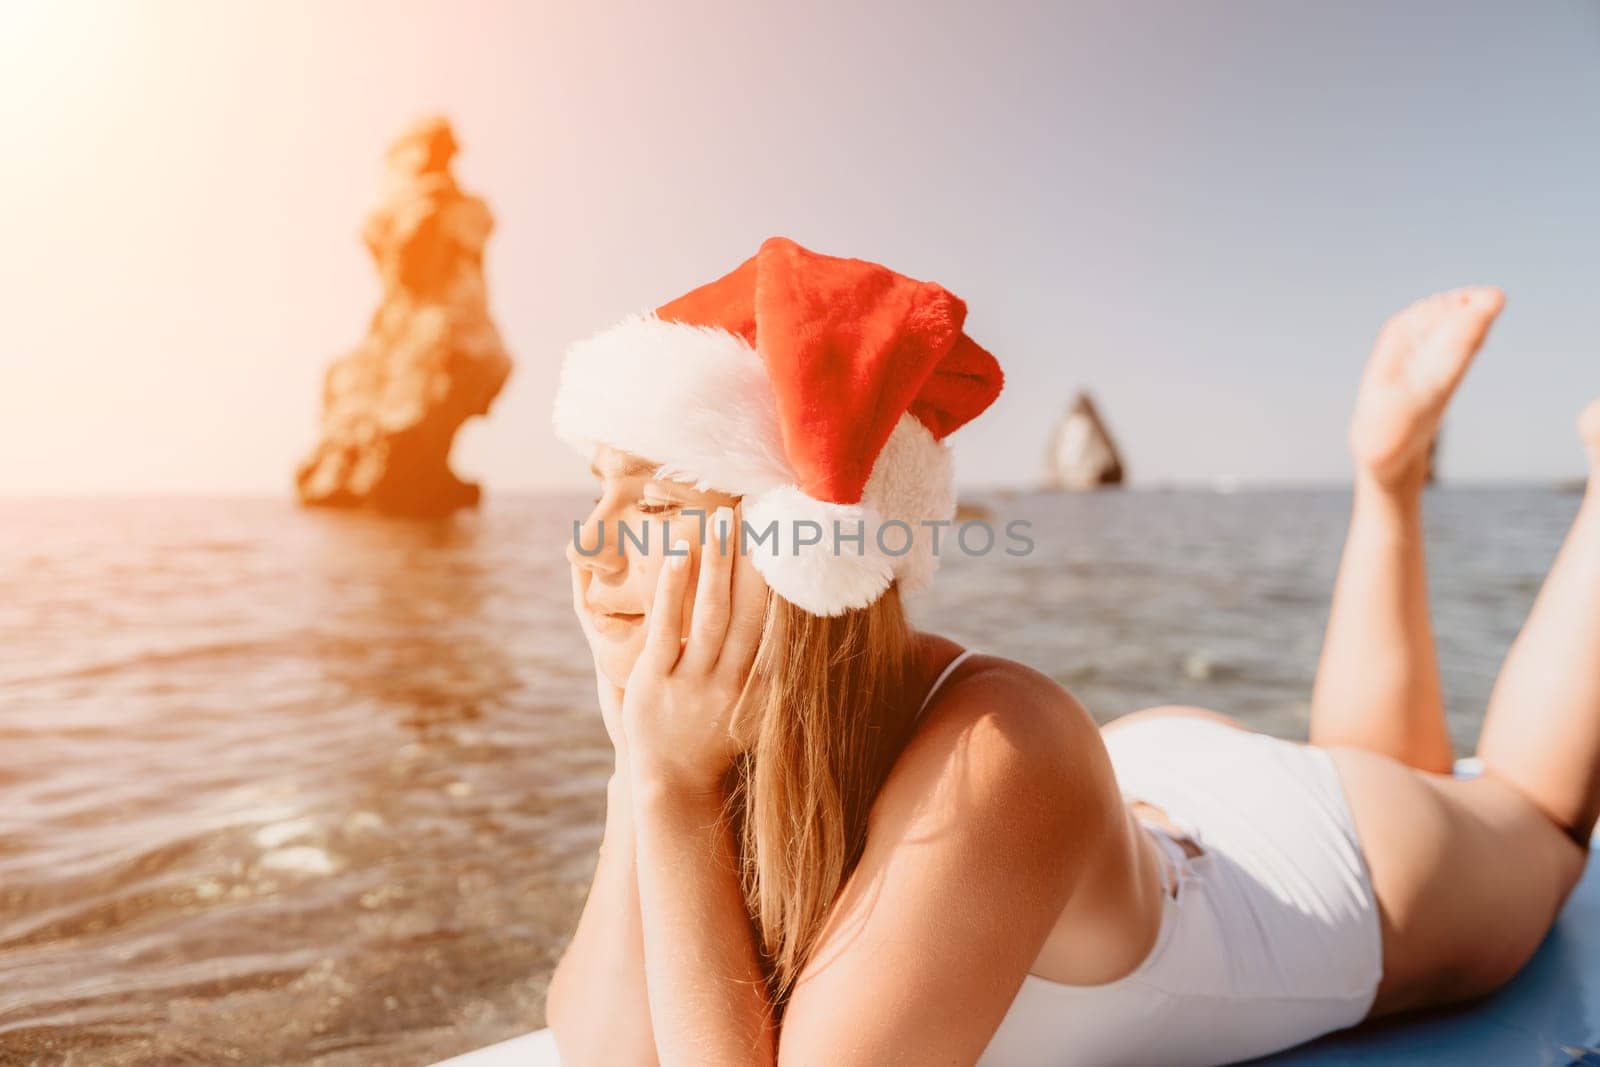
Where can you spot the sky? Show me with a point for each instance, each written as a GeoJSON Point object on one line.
{"type": "Point", "coordinates": [1200, 212]}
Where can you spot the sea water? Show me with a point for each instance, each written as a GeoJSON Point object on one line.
{"type": "Point", "coordinates": [297, 787]}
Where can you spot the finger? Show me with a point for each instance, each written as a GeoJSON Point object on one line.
{"type": "Point", "coordinates": [663, 641]}
{"type": "Point", "coordinates": [711, 595]}
{"type": "Point", "coordinates": [747, 613]}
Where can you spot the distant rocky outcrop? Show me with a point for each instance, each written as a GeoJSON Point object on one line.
{"type": "Point", "coordinates": [431, 359]}
{"type": "Point", "coordinates": [1082, 454]}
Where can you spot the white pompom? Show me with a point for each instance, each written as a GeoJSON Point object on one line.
{"type": "Point", "coordinates": [818, 578]}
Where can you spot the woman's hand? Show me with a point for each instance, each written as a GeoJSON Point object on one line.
{"type": "Point", "coordinates": [609, 695]}
{"type": "Point", "coordinates": [679, 708]}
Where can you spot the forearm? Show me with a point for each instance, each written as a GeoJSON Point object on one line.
{"type": "Point", "coordinates": [598, 1007]}
{"type": "Point", "coordinates": [1379, 676]}
{"type": "Point", "coordinates": [708, 993]}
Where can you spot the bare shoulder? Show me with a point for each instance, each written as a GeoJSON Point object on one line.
{"type": "Point", "coordinates": [975, 843]}
{"type": "Point", "coordinates": [993, 701]}
{"type": "Point", "coordinates": [1006, 745]}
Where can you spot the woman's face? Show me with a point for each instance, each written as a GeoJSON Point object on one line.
{"type": "Point", "coordinates": [619, 586]}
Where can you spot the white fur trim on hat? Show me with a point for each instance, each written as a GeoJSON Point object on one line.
{"type": "Point", "coordinates": [913, 480]}
{"type": "Point", "coordinates": [694, 398]}
{"type": "Point", "coordinates": [816, 577]}
{"type": "Point", "coordinates": [697, 401]}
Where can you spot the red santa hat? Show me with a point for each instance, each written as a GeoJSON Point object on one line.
{"type": "Point", "coordinates": [814, 387]}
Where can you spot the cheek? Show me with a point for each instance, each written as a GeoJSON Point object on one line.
{"type": "Point", "coordinates": [617, 659]}
{"type": "Point", "coordinates": [644, 571]}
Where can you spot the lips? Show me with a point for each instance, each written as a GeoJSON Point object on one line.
{"type": "Point", "coordinates": [607, 622]}
{"type": "Point", "coordinates": [601, 609]}
{"type": "Point", "coordinates": [609, 618]}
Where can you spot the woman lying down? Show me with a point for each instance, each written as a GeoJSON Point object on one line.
{"type": "Point", "coordinates": [834, 839]}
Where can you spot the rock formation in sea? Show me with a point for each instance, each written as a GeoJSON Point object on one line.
{"type": "Point", "coordinates": [1082, 454]}
{"type": "Point", "coordinates": [431, 359]}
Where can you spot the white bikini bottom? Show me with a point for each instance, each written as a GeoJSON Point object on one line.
{"type": "Point", "coordinates": [1270, 936]}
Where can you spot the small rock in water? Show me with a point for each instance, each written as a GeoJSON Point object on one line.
{"type": "Point", "coordinates": [1082, 455]}
{"type": "Point", "coordinates": [1198, 667]}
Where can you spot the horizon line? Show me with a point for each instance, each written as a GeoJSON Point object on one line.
{"type": "Point", "coordinates": [1221, 485]}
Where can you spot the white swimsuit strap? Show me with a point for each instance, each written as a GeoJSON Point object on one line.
{"type": "Point", "coordinates": [937, 682]}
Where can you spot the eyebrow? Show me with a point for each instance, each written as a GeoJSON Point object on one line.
{"type": "Point", "coordinates": [636, 467]}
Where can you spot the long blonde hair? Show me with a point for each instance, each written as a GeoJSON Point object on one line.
{"type": "Point", "coordinates": [830, 704]}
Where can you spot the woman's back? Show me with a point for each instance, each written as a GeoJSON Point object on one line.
{"type": "Point", "coordinates": [1265, 935]}
{"type": "Point", "coordinates": [1269, 932]}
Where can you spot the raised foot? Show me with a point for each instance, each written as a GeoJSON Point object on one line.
{"type": "Point", "coordinates": [1589, 430]}
{"type": "Point", "coordinates": [1418, 360]}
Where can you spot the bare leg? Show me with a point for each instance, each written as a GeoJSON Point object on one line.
{"type": "Point", "coordinates": [1542, 730]}
{"type": "Point", "coordinates": [1469, 875]}
{"type": "Point", "coordinates": [1377, 684]}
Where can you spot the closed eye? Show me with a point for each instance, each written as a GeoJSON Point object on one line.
{"type": "Point", "coordinates": [646, 507]}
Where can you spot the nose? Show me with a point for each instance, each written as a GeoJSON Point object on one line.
{"type": "Point", "coordinates": [594, 545]}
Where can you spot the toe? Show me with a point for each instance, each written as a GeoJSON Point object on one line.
{"type": "Point", "coordinates": [1484, 301]}
{"type": "Point", "coordinates": [1589, 426]}
{"type": "Point", "coordinates": [1454, 338]}
{"type": "Point", "coordinates": [1421, 317]}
